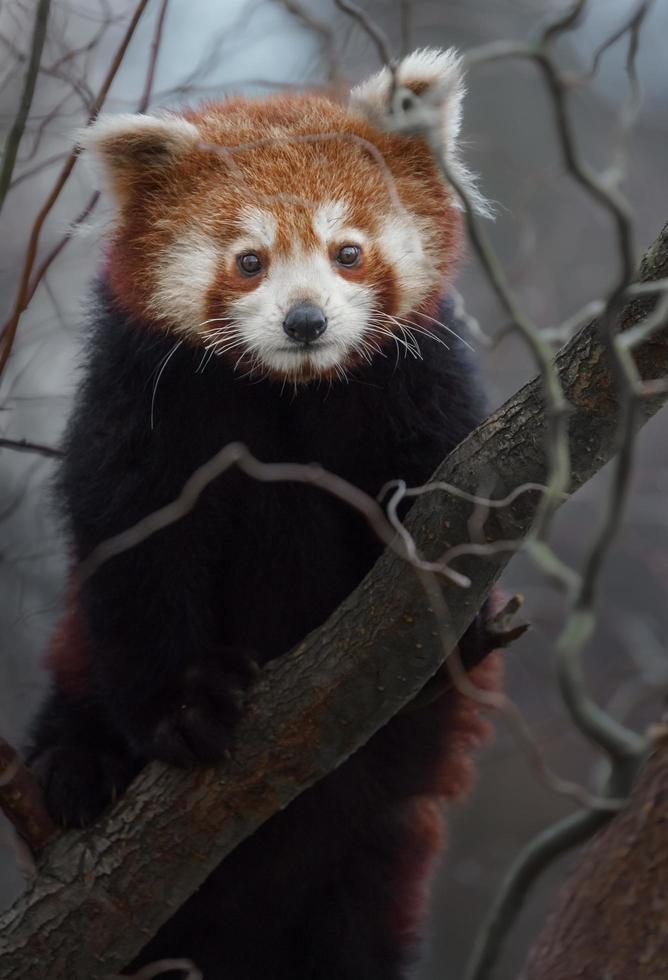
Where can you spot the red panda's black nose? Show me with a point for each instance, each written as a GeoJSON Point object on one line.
{"type": "Point", "coordinates": [304, 323]}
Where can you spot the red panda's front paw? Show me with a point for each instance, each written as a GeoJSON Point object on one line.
{"type": "Point", "coordinates": [197, 725]}
{"type": "Point", "coordinates": [79, 780]}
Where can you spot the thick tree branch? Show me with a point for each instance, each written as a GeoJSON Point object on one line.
{"type": "Point", "coordinates": [117, 883]}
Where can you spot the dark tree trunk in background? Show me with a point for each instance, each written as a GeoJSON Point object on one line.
{"type": "Point", "coordinates": [611, 919]}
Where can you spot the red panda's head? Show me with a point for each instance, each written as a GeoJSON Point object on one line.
{"type": "Point", "coordinates": [293, 234]}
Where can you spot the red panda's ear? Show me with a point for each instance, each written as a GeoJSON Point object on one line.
{"type": "Point", "coordinates": [437, 79]}
{"type": "Point", "coordinates": [126, 146]}
{"type": "Point", "coordinates": [435, 76]}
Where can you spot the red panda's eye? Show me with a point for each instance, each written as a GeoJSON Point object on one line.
{"type": "Point", "coordinates": [349, 255]}
{"type": "Point", "coordinates": [249, 263]}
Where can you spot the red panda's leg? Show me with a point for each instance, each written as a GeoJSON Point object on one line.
{"type": "Point", "coordinates": [365, 920]}
{"type": "Point", "coordinates": [81, 754]}
{"type": "Point", "coordinates": [356, 918]}
{"type": "Point", "coordinates": [81, 763]}
{"type": "Point", "coordinates": [169, 680]}
{"type": "Point", "coordinates": [76, 754]}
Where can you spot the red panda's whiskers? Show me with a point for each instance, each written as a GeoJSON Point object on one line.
{"type": "Point", "coordinates": [255, 359]}
{"type": "Point", "coordinates": [412, 328]}
{"type": "Point", "coordinates": [341, 373]}
{"type": "Point", "coordinates": [225, 339]}
{"type": "Point", "coordinates": [163, 364]}
{"type": "Point", "coordinates": [363, 350]}
{"type": "Point", "coordinates": [221, 347]}
{"type": "Point", "coordinates": [215, 319]}
{"type": "Point", "coordinates": [448, 329]}
{"type": "Point", "coordinates": [383, 331]}
{"type": "Point", "coordinates": [206, 357]}
{"type": "Point", "coordinates": [263, 377]}
{"type": "Point", "coordinates": [371, 347]}
{"type": "Point", "coordinates": [222, 332]}
{"type": "Point", "coordinates": [413, 343]}
{"type": "Point", "coordinates": [380, 327]}
{"type": "Point", "coordinates": [426, 333]}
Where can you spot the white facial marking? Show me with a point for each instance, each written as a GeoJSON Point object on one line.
{"type": "Point", "coordinates": [254, 320]}
{"type": "Point", "coordinates": [331, 225]}
{"type": "Point", "coordinates": [258, 227]}
{"type": "Point", "coordinates": [330, 219]}
{"type": "Point", "coordinates": [184, 275]}
{"type": "Point", "coordinates": [301, 276]}
{"type": "Point", "coordinates": [404, 244]}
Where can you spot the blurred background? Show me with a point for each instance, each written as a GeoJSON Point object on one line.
{"type": "Point", "coordinates": [558, 249]}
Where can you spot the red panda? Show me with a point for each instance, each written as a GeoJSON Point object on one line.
{"type": "Point", "coordinates": [277, 275]}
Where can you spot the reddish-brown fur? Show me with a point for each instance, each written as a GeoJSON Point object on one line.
{"type": "Point", "coordinates": [68, 657]}
{"type": "Point", "coordinates": [463, 729]}
{"type": "Point", "coordinates": [271, 153]}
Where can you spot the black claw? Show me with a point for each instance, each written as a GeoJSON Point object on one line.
{"type": "Point", "coordinates": [198, 720]}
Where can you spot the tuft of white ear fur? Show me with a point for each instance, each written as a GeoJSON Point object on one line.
{"type": "Point", "coordinates": [427, 100]}
{"type": "Point", "coordinates": [125, 145]}
{"type": "Point", "coordinates": [435, 76]}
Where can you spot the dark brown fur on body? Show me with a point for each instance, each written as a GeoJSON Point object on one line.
{"type": "Point", "coordinates": [358, 848]}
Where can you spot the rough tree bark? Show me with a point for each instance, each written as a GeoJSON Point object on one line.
{"type": "Point", "coordinates": [611, 918]}
{"type": "Point", "coordinates": [101, 893]}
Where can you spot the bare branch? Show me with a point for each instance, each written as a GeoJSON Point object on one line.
{"type": "Point", "coordinates": [51, 256]}
{"type": "Point", "coordinates": [527, 866]}
{"type": "Point", "coordinates": [405, 23]}
{"type": "Point", "coordinates": [23, 294]}
{"type": "Point", "coordinates": [21, 800]}
{"type": "Point", "coordinates": [325, 32]}
{"type": "Point", "coordinates": [38, 168]}
{"type": "Point", "coordinates": [156, 41]}
{"type": "Point", "coordinates": [152, 970]}
{"type": "Point", "coordinates": [371, 28]}
{"type": "Point", "coordinates": [564, 22]}
{"type": "Point", "coordinates": [32, 71]}
{"type": "Point", "coordinates": [24, 446]}
{"type": "Point", "coordinates": [630, 26]}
